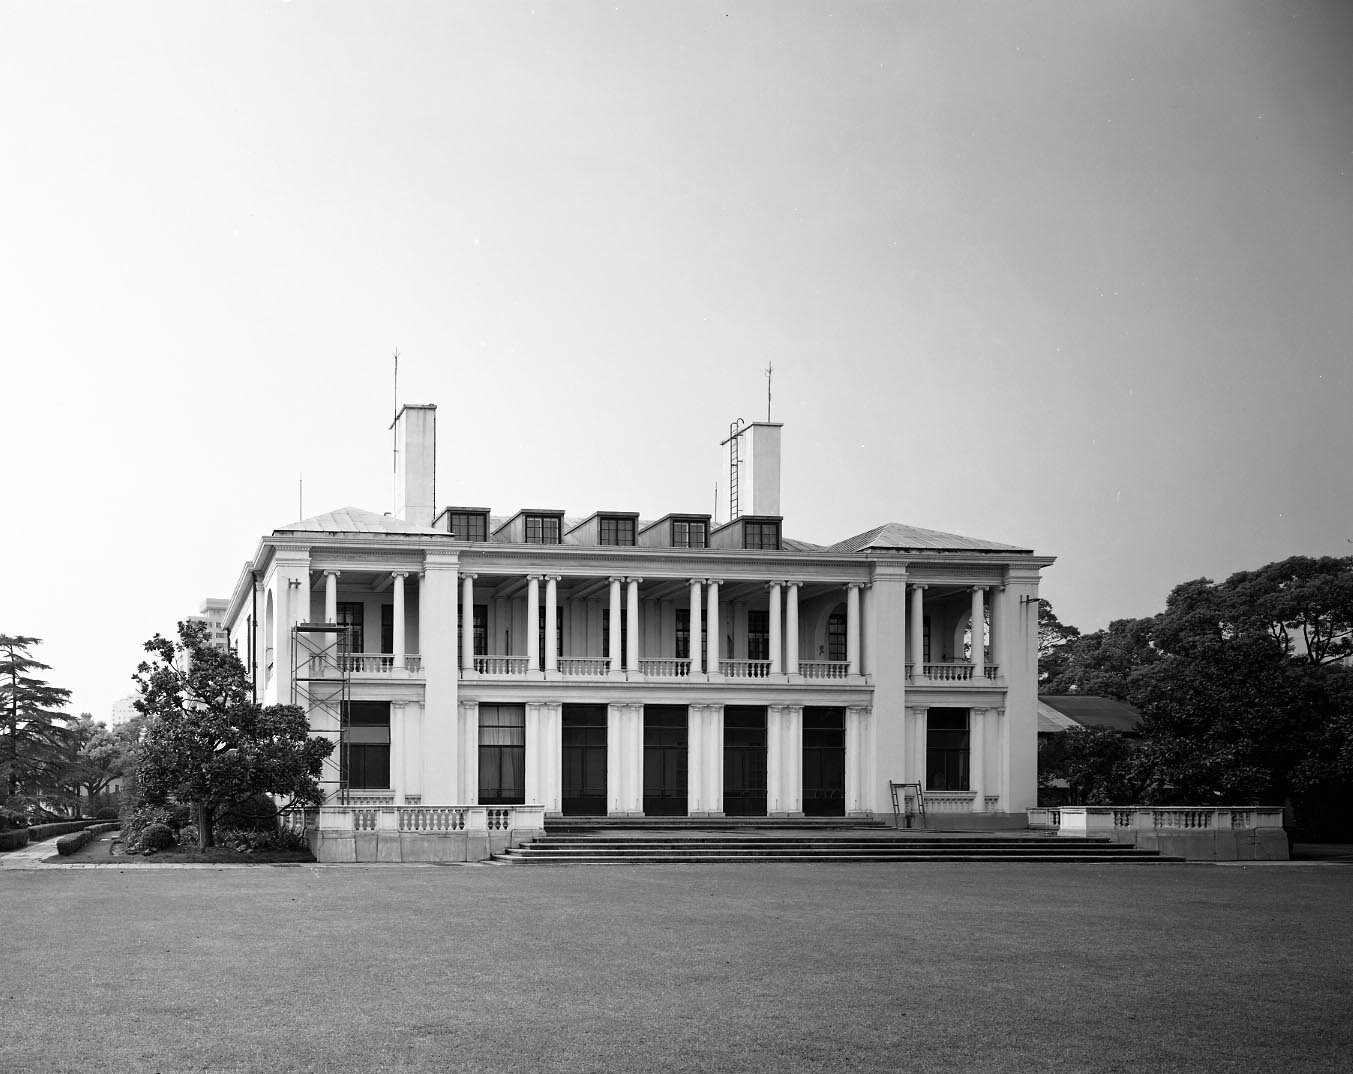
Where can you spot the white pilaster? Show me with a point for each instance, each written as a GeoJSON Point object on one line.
{"type": "Point", "coordinates": [977, 632]}
{"type": "Point", "coordinates": [712, 665]}
{"type": "Point", "coordinates": [917, 633]}
{"type": "Point", "coordinates": [614, 654]}
{"type": "Point", "coordinates": [853, 628]}
{"type": "Point", "coordinates": [533, 622]}
{"type": "Point", "coordinates": [466, 625]}
{"type": "Point", "coordinates": [397, 614]}
{"type": "Point", "coordinates": [697, 657]}
{"type": "Point", "coordinates": [859, 799]}
{"type": "Point", "coordinates": [624, 759]}
{"type": "Point", "coordinates": [791, 628]}
{"type": "Point", "coordinates": [632, 627]}
{"type": "Point", "coordinates": [776, 630]}
{"type": "Point", "coordinates": [442, 744]}
{"type": "Point", "coordinates": [977, 758]}
{"type": "Point", "coordinates": [551, 622]}
{"type": "Point", "coordinates": [468, 759]}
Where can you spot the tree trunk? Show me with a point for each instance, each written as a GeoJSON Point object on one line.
{"type": "Point", "coordinates": [205, 835]}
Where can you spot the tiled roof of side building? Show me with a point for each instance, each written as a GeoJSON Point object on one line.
{"type": "Point", "coordinates": [1089, 711]}
{"type": "Point", "coordinates": [896, 537]}
{"type": "Point", "coordinates": [354, 520]}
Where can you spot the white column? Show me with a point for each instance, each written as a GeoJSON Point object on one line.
{"type": "Point", "coordinates": [917, 632]}
{"type": "Point", "coordinates": [398, 749]}
{"type": "Point", "coordinates": [712, 617]}
{"type": "Point", "coordinates": [776, 634]}
{"type": "Point", "coordinates": [977, 630]}
{"type": "Point", "coordinates": [331, 596]}
{"type": "Point", "coordinates": [468, 748]}
{"type": "Point", "coordinates": [792, 628]}
{"type": "Point", "coordinates": [398, 616]}
{"type": "Point", "coordinates": [977, 758]}
{"type": "Point", "coordinates": [535, 754]}
{"type": "Point", "coordinates": [792, 787]}
{"type": "Point", "coordinates": [712, 766]}
{"type": "Point", "coordinates": [632, 619]}
{"type": "Point", "coordinates": [1000, 610]}
{"type": "Point", "coordinates": [614, 654]}
{"type": "Point", "coordinates": [533, 622]}
{"type": "Point", "coordinates": [551, 622]}
{"type": "Point", "coordinates": [697, 658]}
{"type": "Point", "coordinates": [466, 625]}
{"type": "Point", "coordinates": [853, 628]}
{"type": "Point", "coordinates": [858, 760]}
{"type": "Point", "coordinates": [775, 760]}
{"type": "Point", "coordinates": [1002, 760]}
{"type": "Point", "coordinates": [922, 732]}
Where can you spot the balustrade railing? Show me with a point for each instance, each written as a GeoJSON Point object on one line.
{"type": "Point", "coordinates": [431, 818]}
{"type": "Point", "coordinates": [952, 672]}
{"type": "Point", "coordinates": [502, 665]}
{"type": "Point", "coordinates": [745, 669]}
{"type": "Point", "coordinates": [664, 667]}
{"type": "Point", "coordinates": [419, 818]}
{"type": "Point", "coordinates": [1078, 819]}
{"type": "Point", "coordinates": [584, 665]}
{"type": "Point", "coordinates": [824, 669]}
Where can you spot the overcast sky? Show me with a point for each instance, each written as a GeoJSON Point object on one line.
{"type": "Point", "coordinates": [1077, 277]}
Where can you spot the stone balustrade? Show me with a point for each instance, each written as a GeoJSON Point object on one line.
{"type": "Point", "coordinates": [1205, 833]}
{"type": "Point", "coordinates": [418, 833]}
{"type": "Point", "coordinates": [744, 669]}
{"type": "Point", "coordinates": [824, 669]}
{"type": "Point", "coordinates": [664, 667]}
{"type": "Point", "coordinates": [585, 666]}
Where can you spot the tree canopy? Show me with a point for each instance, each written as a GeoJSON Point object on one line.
{"type": "Point", "coordinates": [208, 742]}
{"type": "Point", "coordinates": [36, 732]}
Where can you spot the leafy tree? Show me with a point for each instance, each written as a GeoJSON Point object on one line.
{"type": "Point", "coordinates": [98, 757]}
{"type": "Point", "coordinates": [1054, 641]}
{"type": "Point", "coordinates": [1304, 604]}
{"type": "Point", "coordinates": [1102, 663]}
{"type": "Point", "coordinates": [35, 732]}
{"type": "Point", "coordinates": [208, 742]}
{"type": "Point", "coordinates": [1098, 765]}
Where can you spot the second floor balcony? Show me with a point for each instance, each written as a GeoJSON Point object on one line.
{"type": "Point", "coordinates": [658, 669]}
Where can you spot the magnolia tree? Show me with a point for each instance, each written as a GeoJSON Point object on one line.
{"type": "Point", "coordinates": [208, 742]}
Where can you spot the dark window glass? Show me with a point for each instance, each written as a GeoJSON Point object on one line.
{"type": "Point", "coordinates": [350, 627]}
{"type": "Point", "coordinates": [836, 636]}
{"type": "Point", "coordinates": [624, 634]}
{"type": "Point", "coordinates": [558, 634]}
{"type": "Point", "coordinates": [469, 526]}
{"type": "Point", "coordinates": [502, 754]}
{"type": "Point", "coordinates": [542, 529]}
{"type": "Point", "coordinates": [925, 639]}
{"type": "Point", "coordinates": [364, 760]}
{"type": "Point", "coordinates": [387, 628]}
{"type": "Point", "coordinates": [946, 762]}
{"type": "Point", "coordinates": [761, 535]}
{"type": "Point", "coordinates": [683, 633]}
{"type": "Point", "coordinates": [617, 531]}
{"type": "Point", "coordinates": [690, 535]}
{"type": "Point", "coordinates": [758, 634]}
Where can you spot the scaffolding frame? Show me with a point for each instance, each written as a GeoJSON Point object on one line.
{"type": "Point", "coordinates": [321, 684]}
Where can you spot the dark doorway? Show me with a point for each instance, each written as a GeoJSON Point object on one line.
{"type": "Point", "coordinates": [665, 760]}
{"type": "Point", "coordinates": [824, 762]}
{"type": "Point", "coordinates": [584, 749]}
{"type": "Point", "coordinates": [744, 760]}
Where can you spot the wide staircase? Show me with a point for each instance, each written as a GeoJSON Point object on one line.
{"type": "Point", "coordinates": [697, 841]}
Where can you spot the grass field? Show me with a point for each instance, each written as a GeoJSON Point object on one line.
{"type": "Point", "coordinates": [985, 968]}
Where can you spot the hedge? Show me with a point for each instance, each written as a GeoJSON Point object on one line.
{"type": "Point", "coordinates": [38, 832]}
{"type": "Point", "coordinates": [69, 844]}
{"type": "Point", "coordinates": [14, 840]}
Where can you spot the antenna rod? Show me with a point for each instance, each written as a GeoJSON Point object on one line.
{"type": "Point", "coordinates": [770, 368]}
{"type": "Point", "coordinates": [300, 495]}
{"type": "Point", "coordinates": [395, 439]}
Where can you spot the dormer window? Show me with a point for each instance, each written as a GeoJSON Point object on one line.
{"type": "Point", "coordinates": [617, 531]}
{"type": "Point", "coordinates": [763, 536]}
{"type": "Point", "coordinates": [468, 525]}
{"type": "Point", "coordinates": [690, 534]}
{"type": "Point", "coordinates": [542, 529]}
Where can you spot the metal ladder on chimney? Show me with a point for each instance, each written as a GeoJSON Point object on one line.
{"type": "Point", "coordinates": [903, 795]}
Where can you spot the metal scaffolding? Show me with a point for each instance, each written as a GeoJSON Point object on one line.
{"type": "Point", "coordinates": [321, 685]}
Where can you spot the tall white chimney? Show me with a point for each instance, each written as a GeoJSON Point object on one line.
{"type": "Point", "coordinates": [755, 489]}
{"type": "Point", "coordinates": [416, 463]}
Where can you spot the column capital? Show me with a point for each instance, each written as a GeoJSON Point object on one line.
{"type": "Point", "coordinates": [399, 574]}
{"type": "Point", "coordinates": [980, 588]}
{"type": "Point", "coordinates": [554, 577]}
{"type": "Point", "coordinates": [615, 579]}
{"type": "Point", "coordinates": [792, 585]}
{"type": "Point", "coordinates": [469, 574]}
{"type": "Point", "coordinates": [332, 571]}
{"type": "Point", "coordinates": [919, 585]}
{"type": "Point", "coordinates": [713, 581]}
{"type": "Point", "coordinates": [857, 585]}
{"type": "Point", "coordinates": [774, 585]}
{"type": "Point", "coordinates": [535, 577]}
{"type": "Point", "coordinates": [635, 580]}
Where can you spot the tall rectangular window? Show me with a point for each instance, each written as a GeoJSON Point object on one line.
{"type": "Point", "coordinates": [761, 535]}
{"type": "Point", "coordinates": [469, 526]}
{"type": "Point", "coordinates": [387, 628]}
{"type": "Point", "coordinates": [758, 634]}
{"type": "Point", "coordinates": [836, 636]}
{"type": "Point", "coordinates": [683, 633]}
{"type": "Point", "coordinates": [687, 534]}
{"type": "Point", "coordinates": [502, 754]}
{"type": "Point", "coordinates": [364, 760]}
{"type": "Point", "coordinates": [606, 635]}
{"type": "Point", "coordinates": [542, 529]}
{"type": "Point", "coordinates": [558, 633]}
{"type": "Point", "coordinates": [350, 627]}
{"type": "Point", "coordinates": [618, 531]}
{"type": "Point", "coordinates": [946, 750]}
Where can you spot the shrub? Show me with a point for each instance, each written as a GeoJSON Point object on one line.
{"type": "Point", "coordinates": [69, 844]}
{"type": "Point", "coordinates": [11, 819]}
{"type": "Point", "coordinates": [136, 820]}
{"type": "Point", "coordinates": [247, 842]}
{"type": "Point", "coordinates": [38, 832]}
{"type": "Point", "coordinates": [256, 814]}
{"type": "Point", "coordinates": [156, 837]}
{"type": "Point", "coordinates": [106, 813]}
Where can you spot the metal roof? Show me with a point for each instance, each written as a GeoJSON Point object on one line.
{"type": "Point", "coordinates": [897, 537]}
{"type": "Point", "coordinates": [354, 520]}
{"type": "Point", "coordinates": [1084, 711]}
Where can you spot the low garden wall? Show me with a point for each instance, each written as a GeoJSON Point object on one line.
{"type": "Point", "coordinates": [1202, 833]}
{"type": "Point", "coordinates": [16, 838]}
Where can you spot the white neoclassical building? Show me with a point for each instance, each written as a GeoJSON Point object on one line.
{"type": "Point", "coordinates": [482, 672]}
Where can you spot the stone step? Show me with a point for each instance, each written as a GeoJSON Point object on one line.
{"type": "Point", "coordinates": [969, 842]}
{"type": "Point", "coordinates": [1135, 857]}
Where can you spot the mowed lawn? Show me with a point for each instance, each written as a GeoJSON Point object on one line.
{"type": "Point", "coordinates": [974, 968]}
